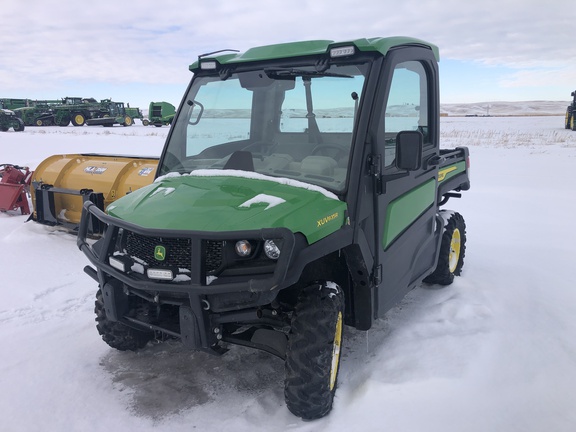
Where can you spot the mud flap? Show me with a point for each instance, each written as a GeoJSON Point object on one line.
{"type": "Point", "coordinates": [115, 301]}
{"type": "Point", "coordinates": [189, 331]}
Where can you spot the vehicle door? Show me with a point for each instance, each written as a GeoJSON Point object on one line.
{"type": "Point", "coordinates": [406, 227]}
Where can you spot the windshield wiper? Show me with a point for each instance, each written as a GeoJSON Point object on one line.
{"type": "Point", "coordinates": [292, 72]}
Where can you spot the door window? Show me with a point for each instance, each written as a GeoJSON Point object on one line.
{"type": "Point", "coordinates": [406, 107]}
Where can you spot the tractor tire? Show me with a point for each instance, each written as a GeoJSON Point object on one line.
{"type": "Point", "coordinates": [18, 125]}
{"type": "Point", "coordinates": [573, 123]}
{"type": "Point", "coordinates": [313, 351]}
{"type": "Point", "coordinates": [78, 119]}
{"type": "Point", "coordinates": [452, 250]}
{"type": "Point", "coordinates": [39, 122]}
{"type": "Point", "coordinates": [567, 119]}
{"type": "Point", "coordinates": [65, 121]}
{"type": "Point", "coordinates": [128, 121]}
{"type": "Point", "coordinates": [116, 334]}
{"type": "Point", "coordinates": [145, 122]}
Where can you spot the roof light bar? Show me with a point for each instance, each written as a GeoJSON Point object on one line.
{"type": "Point", "coordinates": [342, 51]}
{"type": "Point", "coordinates": [208, 65]}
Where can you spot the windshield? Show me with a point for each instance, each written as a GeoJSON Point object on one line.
{"type": "Point", "coordinates": [284, 122]}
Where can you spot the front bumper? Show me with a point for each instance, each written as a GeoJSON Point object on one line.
{"type": "Point", "coordinates": [204, 303]}
{"type": "Point", "coordinates": [271, 277]}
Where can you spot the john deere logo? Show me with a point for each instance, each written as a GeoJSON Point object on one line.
{"type": "Point", "coordinates": [160, 253]}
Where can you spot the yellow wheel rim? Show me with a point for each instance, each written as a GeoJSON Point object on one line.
{"type": "Point", "coordinates": [79, 118]}
{"type": "Point", "coordinates": [454, 250]}
{"type": "Point", "coordinates": [336, 351]}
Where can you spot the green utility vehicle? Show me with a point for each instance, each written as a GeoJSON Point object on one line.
{"type": "Point", "coordinates": [9, 120]}
{"type": "Point", "coordinates": [110, 113]}
{"type": "Point", "coordinates": [570, 120]}
{"type": "Point", "coordinates": [160, 114]}
{"type": "Point", "coordinates": [300, 191]}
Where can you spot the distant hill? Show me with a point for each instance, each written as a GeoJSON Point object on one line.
{"type": "Point", "coordinates": [527, 108]}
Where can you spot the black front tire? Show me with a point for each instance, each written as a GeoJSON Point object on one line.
{"type": "Point", "coordinates": [452, 249]}
{"type": "Point", "coordinates": [116, 334]}
{"type": "Point", "coordinates": [313, 353]}
{"type": "Point", "coordinates": [18, 125]}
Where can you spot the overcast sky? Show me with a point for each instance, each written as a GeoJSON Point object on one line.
{"type": "Point", "coordinates": [139, 51]}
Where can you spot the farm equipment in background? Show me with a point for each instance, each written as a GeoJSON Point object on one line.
{"type": "Point", "coordinates": [62, 183]}
{"type": "Point", "coordinates": [160, 114]}
{"type": "Point", "coordinates": [110, 113]}
{"type": "Point", "coordinates": [75, 110]}
{"type": "Point", "coordinates": [570, 121]}
{"type": "Point", "coordinates": [8, 119]}
{"type": "Point", "coordinates": [11, 104]}
{"type": "Point", "coordinates": [39, 113]}
{"type": "Point", "coordinates": [135, 113]}
{"type": "Point", "coordinates": [14, 186]}
{"type": "Point", "coordinates": [59, 112]}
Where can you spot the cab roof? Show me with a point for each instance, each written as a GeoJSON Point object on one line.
{"type": "Point", "coordinates": [312, 47]}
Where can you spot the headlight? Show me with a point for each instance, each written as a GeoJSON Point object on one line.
{"type": "Point", "coordinates": [271, 250]}
{"type": "Point", "coordinates": [159, 274]}
{"type": "Point", "coordinates": [120, 262]}
{"type": "Point", "coordinates": [243, 248]}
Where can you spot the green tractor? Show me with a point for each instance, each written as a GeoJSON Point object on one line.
{"type": "Point", "coordinates": [109, 114]}
{"type": "Point", "coordinates": [134, 113]}
{"type": "Point", "coordinates": [9, 120]}
{"type": "Point", "coordinates": [570, 121]}
{"type": "Point", "coordinates": [160, 114]}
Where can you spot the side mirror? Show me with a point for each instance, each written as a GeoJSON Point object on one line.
{"type": "Point", "coordinates": [409, 150]}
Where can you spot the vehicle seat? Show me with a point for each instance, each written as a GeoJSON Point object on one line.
{"type": "Point", "coordinates": [318, 165]}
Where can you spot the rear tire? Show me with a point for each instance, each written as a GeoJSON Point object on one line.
{"type": "Point", "coordinates": [452, 249]}
{"type": "Point", "coordinates": [116, 334]}
{"type": "Point", "coordinates": [313, 352]}
{"type": "Point", "coordinates": [78, 119]}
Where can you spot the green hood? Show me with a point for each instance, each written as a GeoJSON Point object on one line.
{"type": "Point", "coordinates": [212, 200]}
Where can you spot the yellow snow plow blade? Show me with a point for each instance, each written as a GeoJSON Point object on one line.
{"type": "Point", "coordinates": [62, 183]}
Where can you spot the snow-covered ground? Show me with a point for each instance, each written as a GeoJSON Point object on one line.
{"type": "Point", "coordinates": [495, 351]}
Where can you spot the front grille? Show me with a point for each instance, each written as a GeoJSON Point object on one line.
{"type": "Point", "coordinates": [213, 255]}
{"type": "Point", "coordinates": [178, 251]}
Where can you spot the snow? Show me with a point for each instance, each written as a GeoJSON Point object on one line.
{"type": "Point", "coordinates": [258, 176]}
{"type": "Point", "coordinates": [272, 201]}
{"type": "Point", "coordinates": [495, 351]}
